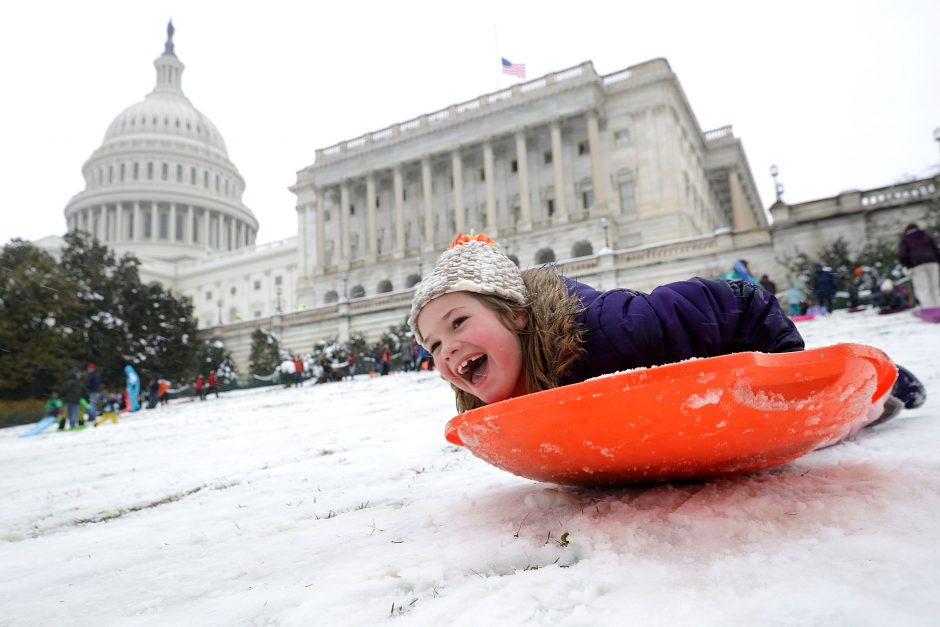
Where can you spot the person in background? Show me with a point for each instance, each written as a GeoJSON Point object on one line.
{"type": "Point", "coordinates": [824, 287]}
{"type": "Point", "coordinates": [92, 389]}
{"type": "Point", "coordinates": [132, 388]}
{"type": "Point", "coordinates": [890, 301]}
{"type": "Point", "coordinates": [71, 393]}
{"type": "Point", "coordinates": [298, 371]}
{"type": "Point", "coordinates": [740, 271]}
{"type": "Point", "coordinates": [109, 409]}
{"type": "Point", "coordinates": [212, 385]}
{"type": "Point", "coordinates": [407, 353]}
{"type": "Point", "coordinates": [385, 357]}
{"type": "Point", "coordinates": [795, 297]}
{"type": "Point", "coordinates": [767, 284]}
{"type": "Point", "coordinates": [351, 364]}
{"type": "Point", "coordinates": [153, 391]}
{"type": "Point", "coordinates": [918, 251]}
{"type": "Point", "coordinates": [53, 405]}
{"type": "Point", "coordinates": [200, 388]}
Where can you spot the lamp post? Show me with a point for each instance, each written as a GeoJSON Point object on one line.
{"type": "Point", "coordinates": [345, 284]}
{"type": "Point", "coordinates": [778, 187]}
{"type": "Point", "coordinates": [420, 267]}
{"type": "Point", "coordinates": [218, 304]}
{"type": "Point", "coordinates": [605, 224]}
{"type": "Point", "coordinates": [936, 135]}
{"type": "Point", "coordinates": [278, 309]}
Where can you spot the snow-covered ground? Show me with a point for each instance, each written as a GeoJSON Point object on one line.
{"type": "Point", "coordinates": [342, 504]}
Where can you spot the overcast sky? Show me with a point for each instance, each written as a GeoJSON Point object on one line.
{"type": "Point", "coordinates": [840, 95]}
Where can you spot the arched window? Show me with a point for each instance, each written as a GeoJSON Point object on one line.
{"type": "Point", "coordinates": [330, 297]}
{"type": "Point", "coordinates": [357, 291]}
{"type": "Point", "coordinates": [582, 248]}
{"type": "Point", "coordinates": [514, 259]}
{"type": "Point", "coordinates": [384, 286]}
{"type": "Point", "coordinates": [412, 280]}
{"type": "Point", "coordinates": [544, 255]}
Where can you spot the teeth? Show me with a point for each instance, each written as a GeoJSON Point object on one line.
{"type": "Point", "coordinates": [462, 368]}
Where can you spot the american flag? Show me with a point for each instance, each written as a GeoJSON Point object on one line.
{"type": "Point", "coordinates": [513, 69]}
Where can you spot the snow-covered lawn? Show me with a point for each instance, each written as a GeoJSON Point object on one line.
{"type": "Point", "coordinates": [342, 504]}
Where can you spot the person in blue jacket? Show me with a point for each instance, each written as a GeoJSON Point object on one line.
{"type": "Point", "coordinates": [496, 333]}
{"type": "Point", "coordinates": [740, 271]}
{"type": "Point", "coordinates": [132, 382]}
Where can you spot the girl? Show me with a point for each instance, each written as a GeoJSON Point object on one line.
{"type": "Point", "coordinates": [495, 332]}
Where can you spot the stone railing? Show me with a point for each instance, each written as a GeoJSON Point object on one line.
{"type": "Point", "coordinates": [382, 301]}
{"type": "Point", "coordinates": [668, 250]}
{"type": "Point", "coordinates": [901, 194]}
{"type": "Point", "coordinates": [228, 255]}
{"type": "Point", "coordinates": [718, 133]}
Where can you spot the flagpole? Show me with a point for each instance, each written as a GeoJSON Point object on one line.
{"type": "Point", "coordinates": [498, 59]}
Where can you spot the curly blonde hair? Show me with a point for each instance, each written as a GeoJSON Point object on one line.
{"type": "Point", "coordinates": [551, 340]}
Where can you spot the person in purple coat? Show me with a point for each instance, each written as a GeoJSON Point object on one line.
{"type": "Point", "coordinates": [496, 333]}
{"type": "Point", "coordinates": [918, 251]}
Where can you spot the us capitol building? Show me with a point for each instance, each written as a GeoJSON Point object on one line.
{"type": "Point", "coordinates": [608, 176]}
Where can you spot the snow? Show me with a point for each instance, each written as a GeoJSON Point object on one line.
{"type": "Point", "coordinates": [342, 504]}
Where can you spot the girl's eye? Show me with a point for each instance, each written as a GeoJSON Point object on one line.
{"type": "Point", "coordinates": [435, 346]}
{"type": "Point", "coordinates": [459, 321]}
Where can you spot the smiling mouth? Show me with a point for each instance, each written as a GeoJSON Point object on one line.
{"type": "Point", "coordinates": [473, 369]}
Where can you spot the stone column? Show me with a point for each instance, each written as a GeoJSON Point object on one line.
{"type": "Point", "coordinates": [344, 251]}
{"type": "Point", "coordinates": [371, 235]}
{"type": "Point", "coordinates": [456, 169]}
{"type": "Point", "coordinates": [137, 229]}
{"type": "Point", "coordinates": [119, 222]}
{"type": "Point", "coordinates": [171, 231]}
{"type": "Point", "coordinates": [303, 247]}
{"type": "Point", "coordinates": [561, 205]}
{"type": "Point", "coordinates": [488, 174]}
{"type": "Point", "coordinates": [207, 219]}
{"type": "Point", "coordinates": [96, 222]}
{"type": "Point", "coordinates": [398, 190]}
{"type": "Point", "coordinates": [597, 175]}
{"type": "Point", "coordinates": [522, 167]}
{"type": "Point", "coordinates": [188, 226]}
{"type": "Point", "coordinates": [320, 234]}
{"type": "Point", "coordinates": [153, 221]}
{"type": "Point", "coordinates": [230, 234]}
{"type": "Point", "coordinates": [426, 192]}
{"type": "Point", "coordinates": [741, 215]}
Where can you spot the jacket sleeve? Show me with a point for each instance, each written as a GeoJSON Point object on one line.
{"type": "Point", "coordinates": [696, 318]}
{"type": "Point", "coordinates": [904, 253]}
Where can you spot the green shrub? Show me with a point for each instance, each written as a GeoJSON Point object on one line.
{"type": "Point", "coordinates": [14, 413]}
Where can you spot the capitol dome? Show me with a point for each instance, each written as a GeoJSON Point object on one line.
{"type": "Point", "coordinates": [161, 185]}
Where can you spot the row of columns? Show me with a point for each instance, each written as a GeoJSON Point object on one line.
{"type": "Point", "coordinates": [561, 212]}
{"type": "Point", "coordinates": [222, 228]}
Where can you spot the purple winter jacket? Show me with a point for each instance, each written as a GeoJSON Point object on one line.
{"type": "Point", "coordinates": [916, 248]}
{"type": "Point", "coordinates": [697, 318]}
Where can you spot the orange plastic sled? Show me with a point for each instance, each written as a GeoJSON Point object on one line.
{"type": "Point", "coordinates": [697, 419]}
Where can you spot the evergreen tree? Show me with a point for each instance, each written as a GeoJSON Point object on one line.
{"type": "Point", "coordinates": [213, 356]}
{"type": "Point", "coordinates": [265, 353]}
{"type": "Point", "coordinates": [121, 320]}
{"type": "Point", "coordinates": [38, 347]}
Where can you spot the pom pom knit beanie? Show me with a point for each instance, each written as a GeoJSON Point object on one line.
{"type": "Point", "coordinates": [471, 264]}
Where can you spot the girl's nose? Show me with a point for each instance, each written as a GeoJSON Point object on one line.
{"type": "Point", "coordinates": [450, 348]}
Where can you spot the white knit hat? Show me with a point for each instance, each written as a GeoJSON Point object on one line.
{"type": "Point", "coordinates": [471, 264]}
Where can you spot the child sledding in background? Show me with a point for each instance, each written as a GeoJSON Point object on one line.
{"type": "Point", "coordinates": [495, 332]}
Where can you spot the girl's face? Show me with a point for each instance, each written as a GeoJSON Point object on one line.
{"type": "Point", "coordinates": [472, 347]}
